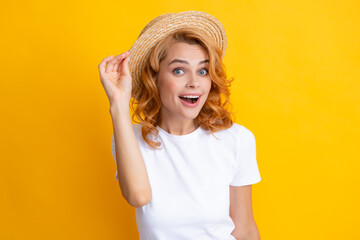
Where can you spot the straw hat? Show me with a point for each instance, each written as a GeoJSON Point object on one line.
{"type": "Point", "coordinates": [163, 26]}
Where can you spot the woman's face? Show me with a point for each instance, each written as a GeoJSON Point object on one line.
{"type": "Point", "coordinates": [183, 81]}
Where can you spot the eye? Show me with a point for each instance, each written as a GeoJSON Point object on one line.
{"type": "Point", "coordinates": [204, 71]}
{"type": "Point", "coordinates": [177, 71]}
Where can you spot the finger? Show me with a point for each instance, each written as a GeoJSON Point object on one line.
{"type": "Point", "coordinates": [103, 64]}
{"type": "Point", "coordinates": [119, 66]}
{"type": "Point", "coordinates": [110, 64]}
{"type": "Point", "coordinates": [113, 65]}
{"type": "Point", "coordinates": [125, 67]}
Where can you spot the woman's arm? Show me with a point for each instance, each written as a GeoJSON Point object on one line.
{"type": "Point", "coordinates": [242, 214]}
{"type": "Point", "coordinates": [116, 79]}
{"type": "Point", "coordinates": [132, 174]}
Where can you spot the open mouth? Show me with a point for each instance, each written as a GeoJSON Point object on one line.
{"type": "Point", "coordinates": [190, 98]}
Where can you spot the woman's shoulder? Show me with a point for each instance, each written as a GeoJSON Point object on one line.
{"type": "Point", "coordinates": [237, 129]}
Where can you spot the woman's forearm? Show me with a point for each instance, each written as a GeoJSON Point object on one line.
{"type": "Point", "coordinates": [251, 233]}
{"type": "Point", "coordinates": [132, 174]}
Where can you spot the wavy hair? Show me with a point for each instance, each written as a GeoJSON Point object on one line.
{"type": "Point", "coordinates": [213, 116]}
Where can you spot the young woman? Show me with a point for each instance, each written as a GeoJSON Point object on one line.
{"type": "Point", "coordinates": [186, 166]}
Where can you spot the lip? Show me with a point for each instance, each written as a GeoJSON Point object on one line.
{"type": "Point", "coordinates": [194, 94]}
{"type": "Point", "coordinates": [192, 105]}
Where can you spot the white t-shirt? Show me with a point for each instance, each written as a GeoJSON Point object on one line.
{"type": "Point", "coordinates": [190, 178]}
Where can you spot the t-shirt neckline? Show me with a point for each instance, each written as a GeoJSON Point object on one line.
{"type": "Point", "coordinates": [179, 137]}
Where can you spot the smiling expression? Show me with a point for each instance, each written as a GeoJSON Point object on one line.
{"type": "Point", "coordinates": [183, 81]}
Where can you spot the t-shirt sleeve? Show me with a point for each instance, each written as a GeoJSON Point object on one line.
{"type": "Point", "coordinates": [114, 154]}
{"type": "Point", "coordinates": [247, 171]}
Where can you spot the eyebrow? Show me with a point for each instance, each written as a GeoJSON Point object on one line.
{"type": "Point", "coordinates": [185, 62]}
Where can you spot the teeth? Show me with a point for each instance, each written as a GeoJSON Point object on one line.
{"type": "Point", "coordinates": [190, 96]}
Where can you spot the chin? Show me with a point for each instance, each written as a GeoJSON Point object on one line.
{"type": "Point", "coordinates": [191, 116]}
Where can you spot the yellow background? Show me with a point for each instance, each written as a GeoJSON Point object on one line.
{"type": "Point", "coordinates": [296, 66]}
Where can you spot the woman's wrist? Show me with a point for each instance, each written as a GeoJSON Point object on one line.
{"type": "Point", "coordinates": [119, 108]}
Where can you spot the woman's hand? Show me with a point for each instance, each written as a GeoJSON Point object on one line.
{"type": "Point", "coordinates": [116, 78]}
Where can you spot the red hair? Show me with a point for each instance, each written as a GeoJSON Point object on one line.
{"type": "Point", "coordinates": [214, 115]}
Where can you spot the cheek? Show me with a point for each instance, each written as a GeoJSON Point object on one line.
{"type": "Point", "coordinates": [208, 86]}
{"type": "Point", "coordinates": [169, 88]}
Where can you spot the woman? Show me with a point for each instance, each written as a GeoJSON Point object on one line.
{"type": "Point", "coordinates": [185, 166]}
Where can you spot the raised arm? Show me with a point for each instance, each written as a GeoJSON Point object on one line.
{"type": "Point", "coordinates": [133, 178]}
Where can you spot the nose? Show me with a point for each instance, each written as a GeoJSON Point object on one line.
{"type": "Point", "coordinates": [192, 81]}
